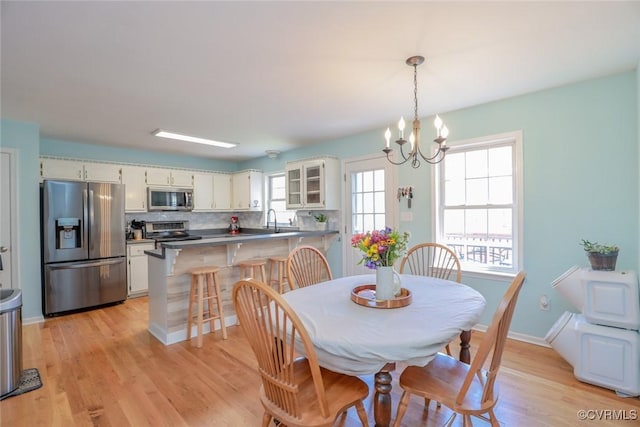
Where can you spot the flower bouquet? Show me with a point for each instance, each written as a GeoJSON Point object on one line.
{"type": "Point", "coordinates": [381, 248]}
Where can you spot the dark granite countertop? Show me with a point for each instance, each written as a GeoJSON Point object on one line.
{"type": "Point", "coordinates": [220, 237]}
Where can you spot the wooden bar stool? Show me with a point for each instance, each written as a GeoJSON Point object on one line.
{"type": "Point", "coordinates": [253, 268]}
{"type": "Point", "coordinates": [279, 263]}
{"type": "Point", "coordinates": [198, 294]}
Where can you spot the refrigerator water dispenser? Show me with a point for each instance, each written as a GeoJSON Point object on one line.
{"type": "Point", "coordinates": [68, 233]}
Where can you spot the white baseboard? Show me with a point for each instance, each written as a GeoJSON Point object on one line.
{"type": "Point", "coordinates": [33, 320]}
{"type": "Point", "coordinates": [517, 336]}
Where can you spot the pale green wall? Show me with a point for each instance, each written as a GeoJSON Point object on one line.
{"type": "Point", "coordinates": [581, 179]}
{"type": "Point", "coordinates": [25, 138]}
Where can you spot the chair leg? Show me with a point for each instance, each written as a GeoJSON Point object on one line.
{"type": "Point", "coordinates": [210, 313]}
{"type": "Point", "coordinates": [266, 419]}
{"type": "Point", "coordinates": [362, 414]}
{"type": "Point", "coordinates": [466, 421]}
{"type": "Point", "coordinates": [493, 419]}
{"type": "Point", "coordinates": [200, 309]}
{"type": "Point", "coordinates": [402, 408]}
{"type": "Point", "coordinates": [263, 273]}
{"type": "Point", "coordinates": [223, 326]}
{"type": "Point", "coordinates": [190, 309]}
{"type": "Point", "coordinates": [281, 277]}
{"type": "Point", "coordinates": [427, 401]}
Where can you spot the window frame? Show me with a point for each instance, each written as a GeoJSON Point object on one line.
{"type": "Point", "coordinates": [514, 139]}
{"type": "Point", "coordinates": [268, 195]}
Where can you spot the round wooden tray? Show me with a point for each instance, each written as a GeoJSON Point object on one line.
{"type": "Point", "coordinates": [366, 295]}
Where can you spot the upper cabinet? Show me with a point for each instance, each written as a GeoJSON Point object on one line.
{"type": "Point", "coordinates": [77, 170]}
{"type": "Point", "coordinates": [202, 192]}
{"type": "Point", "coordinates": [222, 191]}
{"type": "Point", "coordinates": [133, 178]}
{"type": "Point", "coordinates": [169, 177]}
{"type": "Point", "coordinates": [247, 190]}
{"type": "Point", "coordinates": [309, 181]}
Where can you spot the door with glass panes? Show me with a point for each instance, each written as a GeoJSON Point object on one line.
{"type": "Point", "coordinates": [369, 184]}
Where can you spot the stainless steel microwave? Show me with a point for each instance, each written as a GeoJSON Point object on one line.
{"type": "Point", "coordinates": [170, 199]}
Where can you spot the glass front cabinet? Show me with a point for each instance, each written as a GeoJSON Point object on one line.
{"type": "Point", "coordinates": [308, 181]}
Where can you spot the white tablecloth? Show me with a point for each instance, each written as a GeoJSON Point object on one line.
{"type": "Point", "coordinates": [358, 340]}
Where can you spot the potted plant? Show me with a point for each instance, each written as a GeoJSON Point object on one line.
{"type": "Point", "coordinates": [601, 257]}
{"type": "Point", "coordinates": [321, 221]}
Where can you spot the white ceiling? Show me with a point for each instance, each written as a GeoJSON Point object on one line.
{"type": "Point", "coordinates": [280, 75]}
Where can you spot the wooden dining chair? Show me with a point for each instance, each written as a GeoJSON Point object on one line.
{"type": "Point", "coordinates": [466, 389]}
{"type": "Point", "coordinates": [433, 260]}
{"type": "Point", "coordinates": [295, 390]}
{"type": "Point", "coordinates": [306, 266]}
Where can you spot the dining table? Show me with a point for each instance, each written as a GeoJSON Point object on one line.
{"type": "Point", "coordinates": [357, 337]}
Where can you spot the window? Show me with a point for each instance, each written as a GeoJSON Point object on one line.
{"type": "Point", "coordinates": [368, 201]}
{"type": "Point", "coordinates": [479, 203]}
{"type": "Point", "coordinates": [276, 200]}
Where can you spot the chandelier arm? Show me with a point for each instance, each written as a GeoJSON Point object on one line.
{"type": "Point", "coordinates": [427, 158]}
{"type": "Point", "coordinates": [433, 160]}
{"type": "Point", "coordinates": [391, 161]}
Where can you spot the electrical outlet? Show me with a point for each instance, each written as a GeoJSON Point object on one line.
{"type": "Point", "coordinates": [544, 303]}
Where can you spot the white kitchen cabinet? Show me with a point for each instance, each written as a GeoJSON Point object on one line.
{"type": "Point", "coordinates": [313, 184]}
{"type": "Point", "coordinates": [133, 178]}
{"type": "Point", "coordinates": [247, 190]}
{"type": "Point", "coordinates": [138, 268]}
{"type": "Point", "coordinates": [222, 191]}
{"type": "Point", "coordinates": [202, 192]}
{"type": "Point", "coordinates": [168, 177]}
{"type": "Point", "coordinates": [78, 170]}
{"type": "Point", "coordinates": [102, 172]}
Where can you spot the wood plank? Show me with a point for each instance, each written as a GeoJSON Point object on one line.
{"type": "Point", "coordinates": [102, 367]}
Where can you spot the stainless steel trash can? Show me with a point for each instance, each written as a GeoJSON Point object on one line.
{"type": "Point", "coordinates": [10, 340]}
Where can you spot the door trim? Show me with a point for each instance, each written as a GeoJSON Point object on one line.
{"type": "Point", "coordinates": [391, 184]}
{"type": "Point", "coordinates": [15, 218]}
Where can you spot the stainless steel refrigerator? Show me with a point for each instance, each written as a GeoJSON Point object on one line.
{"type": "Point", "coordinates": [83, 245]}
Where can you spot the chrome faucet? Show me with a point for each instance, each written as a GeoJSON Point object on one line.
{"type": "Point", "coordinates": [275, 221]}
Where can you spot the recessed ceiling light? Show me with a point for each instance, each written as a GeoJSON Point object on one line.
{"type": "Point", "coordinates": [172, 135]}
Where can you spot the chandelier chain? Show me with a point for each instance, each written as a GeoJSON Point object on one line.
{"type": "Point", "coordinates": [415, 91]}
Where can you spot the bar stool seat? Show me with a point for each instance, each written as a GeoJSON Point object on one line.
{"type": "Point", "coordinates": [253, 268]}
{"type": "Point", "coordinates": [205, 287]}
{"type": "Point", "coordinates": [279, 264]}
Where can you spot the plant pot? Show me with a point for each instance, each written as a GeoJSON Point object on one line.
{"type": "Point", "coordinates": [606, 262]}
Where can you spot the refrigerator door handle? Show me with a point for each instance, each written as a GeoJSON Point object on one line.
{"type": "Point", "coordinates": [85, 214]}
{"type": "Point", "coordinates": [86, 264]}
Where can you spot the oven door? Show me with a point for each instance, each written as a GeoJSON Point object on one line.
{"type": "Point", "coordinates": [170, 199]}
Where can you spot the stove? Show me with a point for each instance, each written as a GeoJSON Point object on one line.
{"type": "Point", "coordinates": [169, 231]}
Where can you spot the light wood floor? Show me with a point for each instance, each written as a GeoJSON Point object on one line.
{"type": "Point", "coordinates": [102, 368]}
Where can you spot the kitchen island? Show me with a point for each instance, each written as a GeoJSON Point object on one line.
{"type": "Point", "coordinates": [169, 265]}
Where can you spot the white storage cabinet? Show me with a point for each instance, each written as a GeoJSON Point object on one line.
{"type": "Point", "coordinates": [222, 191]}
{"type": "Point", "coordinates": [202, 192]}
{"type": "Point", "coordinates": [77, 170]}
{"type": "Point", "coordinates": [169, 177]}
{"type": "Point", "coordinates": [313, 184]}
{"type": "Point", "coordinates": [133, 178]}
{"type": "Point", "coordinates": [138, 268]}
{"type": "Point", "coordinates": [247, 190]}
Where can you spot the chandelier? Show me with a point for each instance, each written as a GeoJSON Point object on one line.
{"type": "Point", "coordinates": [415, 152]}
